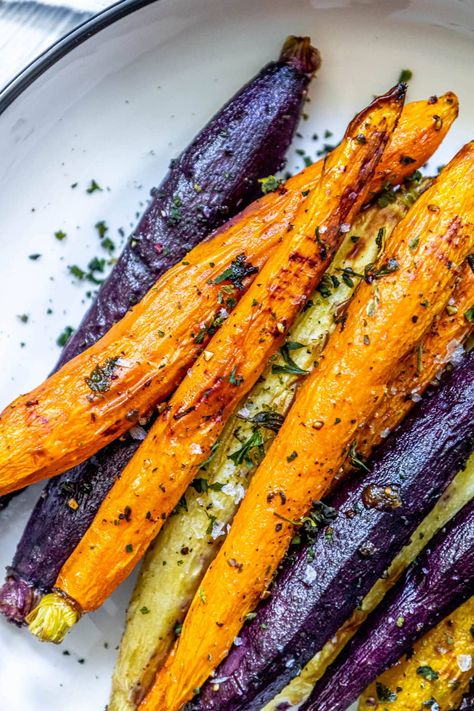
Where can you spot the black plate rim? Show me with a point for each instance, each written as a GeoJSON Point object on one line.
{"type": "Point", "coordinates": [64, 45]}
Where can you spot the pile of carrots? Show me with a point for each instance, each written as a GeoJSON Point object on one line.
{"type": "Point", "coordinates": [386, 344]}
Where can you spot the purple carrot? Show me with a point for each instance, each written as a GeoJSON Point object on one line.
{"type": "Point", "coordinates": [440, 580]}
{"type": "Point", "coordinates": [323, 581]}
{"type": "Point", "coordinates": [211, 180]}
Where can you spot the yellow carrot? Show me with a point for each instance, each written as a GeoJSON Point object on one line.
{"type": "Point", "coordinates": [384, 321]}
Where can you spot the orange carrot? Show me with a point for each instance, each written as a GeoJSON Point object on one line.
{"type": "Point", "coordinates": [422, 366]}
{"type": "Point", "coordinates": [387, 317]}
{"type": "Point", "coordinates": [180, 440]}
{"type": "Point", "coordinates": [97, 396]}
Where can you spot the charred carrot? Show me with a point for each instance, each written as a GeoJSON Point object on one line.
{"type": "Point", "coordinates": [101, 393]}
{"type": "Point", "coordinates": [182, 437]}
{"type": "Point", "coordinates": [387, 317]}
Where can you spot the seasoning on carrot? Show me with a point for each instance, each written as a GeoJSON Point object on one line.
{"type": "Point", "coordinates": [182, 437]}
{"type": "Point", "coordinates": [439, 668]}
{"type": "Point", "coordinates": [384, 322]}
{"type": "Point", "coordinates": [421, 366]}
{"type": "Point", "coordinates": [99, 395]}
{"type": "Point", "coordinates": [191, 538]}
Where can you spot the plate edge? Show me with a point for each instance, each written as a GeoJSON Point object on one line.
{"type": "Point", "coordinates": [72, 39]}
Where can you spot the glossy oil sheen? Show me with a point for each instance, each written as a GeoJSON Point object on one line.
{"type": "Point", "coordinates": [440, 580]}
{"type": "Point", "coordinates": [322, 583]}
{"type": "Point", "coordinates": [214, 177]}
{"type": "Point", "coordinates": [95, 115]}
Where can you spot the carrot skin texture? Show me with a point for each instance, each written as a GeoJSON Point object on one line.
{"type": "Point", "coordinates": [182, 437]}
{"type": "Point", "coordinates": [38, 560]}
{"type": "Point", "coordinates": [420, 367]}
{"type": "Point", "coordinates": [259, 123]}
{"type": "Point", "coordinates": [318, 588]}
{"type": "Point", "coordinates": [310, 447]}
{"type": "Point", "coordinates": [57, 425]}
{"type": "Point", "coordinates": [439, 580]}
{"type": "Point", "coordinates": [440, 650]}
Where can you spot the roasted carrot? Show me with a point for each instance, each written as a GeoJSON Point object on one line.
{"type": "Point", "coordinates": [182, 437]}
{"type": "Point", "coordinates": [456, 496]}
{"type": "Point", "coordinates": [438, 669]}
{"type": "Point", "coordinates": [100, 394]}
{"type": "Point", "coordinates": [420, 367]}
{"type": "Point", "coordinates": [175, 563]}
{"type": "Point", "coordinates": [441, 344]}
{"type": "Point", "coordinates": [387, 317]}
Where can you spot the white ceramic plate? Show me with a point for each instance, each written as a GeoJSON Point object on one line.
{"type": "Point", "coordinates": [116, 108]}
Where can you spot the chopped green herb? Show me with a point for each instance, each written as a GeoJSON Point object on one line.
{"type": "Point", "coordinates": [177, 628]}
{"type": "Point", "coordinates": [235, 379]}
{"type": "Point", "coordinates": [202, 485]}
{"type": "Point", "coordinates": [292, 456]}
{"type": "Point", "coordinates": [144, 610]}
{"type": "Point", "coordinates": [64, 337]}
{"type": "Point", "coordinates": [380, 239]}
{"type": "Point", "coordinates": [405, 75]}
{"type": "Point", "coordinates": [469, 314]}
{"type": "Point", "coordinates": [96, 264]}
{"type": "Point", "coordinates": [100, 378]}
{"type": "Point", "coordinates": [129, 548]}
{"type": "Point", "coordinates": [60, 235]}
{"type": "Point", "coordinates": [413, 243]}
{"type": "Point", "coordinates": [320, 516]}
{"type": "Point", "coordinates": [93, 187]}
{"type": "Point", "coordinates": [354, 458]}
{"type": "Point", "coordinates": [236, 273]}
{"type": "Point", "coordinates": [388, 267]}
{"type": "Point", "coordinates": [290, 366]}
{"type": "Point", "coordinates": [387, 196]}
{"type": "Point", "coordinates": [24, 318]}
{"type": "Point", "coordinates": [427, 673]}
{"type": "Point", "coordinates": [34, 257]}
{"type": "Point", "coordinates": [101, 228]}
{"type": "Point", "coordinates": [269, 419]}
{"type": "Point", "coordinates": [253, 445]}
{"type": "Point", "coordinates": [325, 286]}
{"type": "Point", "coordinates": [269, 184]}
{"type": "Point", "coordinates": [108, 244]}
{"type": "Point", "coordinates": [384, 693]}
{"type": "Point", "coordinates": [212, 454]}
{"type": "Point", "coordinates": [76, 271]}
{"type": "Point", "coordinates": [182, 504]}
{"type": "Point", "coordinates": [210, 525]}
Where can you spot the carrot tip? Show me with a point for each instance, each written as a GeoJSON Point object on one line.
{"type": "Point", "coordinates": [52, 619]}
